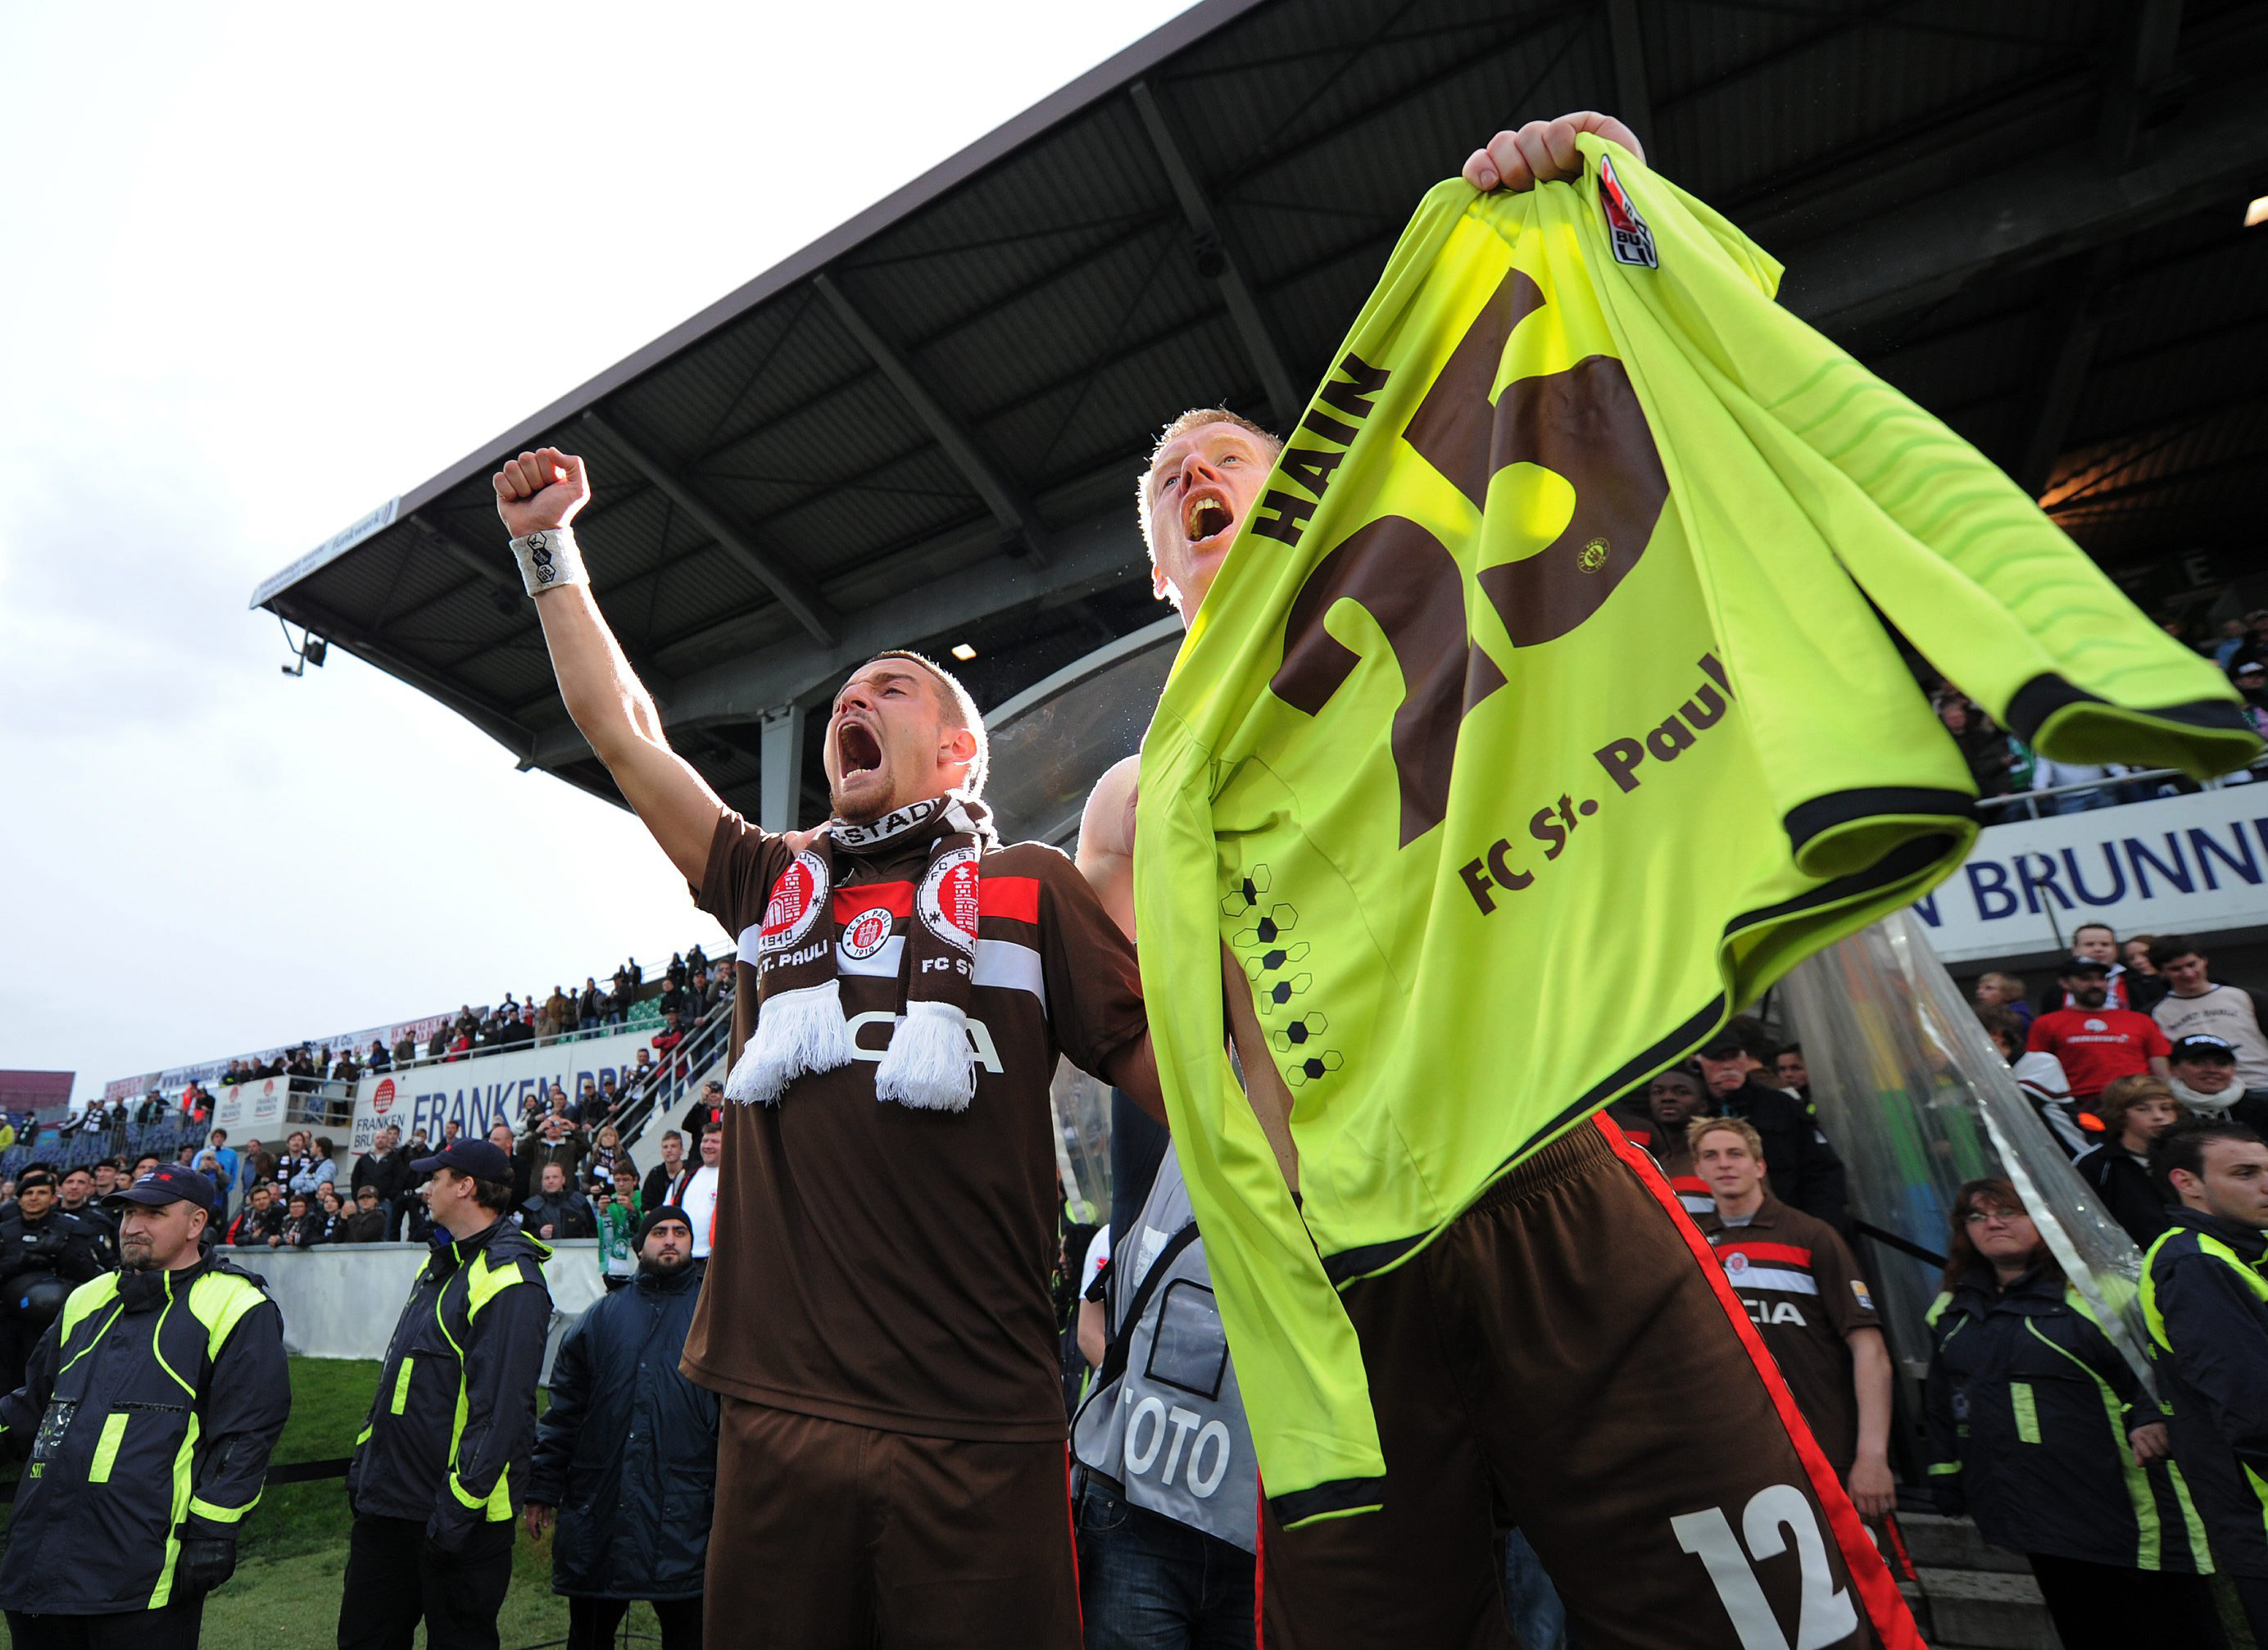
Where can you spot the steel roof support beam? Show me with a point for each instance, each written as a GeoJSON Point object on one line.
{"type": "Point", "coordinates": [1284, 400]}
{"type": "Point", "coordinates": [2029, 214]}
{"type": "Point", "coordinates": [506, 732]}
{"type": "Point", "coordinates": [2072, 327]}
{"type": "Point", "coordinates": [1104, 552]}
{"type": "Point", "coordinates": [796, 594]}
{"type": "Point", "coordinates": [1006, 502]}
{"type": "Point", "coordinates": [2081, 503]}
{"type": "Point", "coordinates": [2137, 74]}
{"type": "Point", "coordinates": [494, 569]}
{"type": "Point", "coordinates": [2069, 331]}
{"type": "Point", "coordinates": [1626, 45]}
{"type": "Point", "coordinates": [493, 574]}
{"type": "Point", "coordinates": [781, 761]}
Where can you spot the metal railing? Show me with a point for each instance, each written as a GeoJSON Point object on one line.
{"type": "Point", "coordinates": [81, 1149]}
{"type": "Point", "coordinates": [686, 1065]}
{"type": "Point", "coordinates": [605, 1028]}
{"type": "Point", "coordinates": [2029, 800]}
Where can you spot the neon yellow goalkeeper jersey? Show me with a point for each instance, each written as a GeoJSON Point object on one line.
{"type": "Point", "coordinates": [1538, 716]}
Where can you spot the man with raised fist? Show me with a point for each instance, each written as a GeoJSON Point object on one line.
{"type": "Point", "coordinates": [891, 1461]}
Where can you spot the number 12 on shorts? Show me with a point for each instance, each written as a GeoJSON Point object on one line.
{"type": "Point", "coordinates": [1826, 1615]}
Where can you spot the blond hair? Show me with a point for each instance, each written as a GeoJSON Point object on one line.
{"type": "Point", "coordinates": [1700, 1126]}
{"type": "Point", "coordinates": [1196, 418]}
{"type": "Point", "coordinates": [2011, 988]}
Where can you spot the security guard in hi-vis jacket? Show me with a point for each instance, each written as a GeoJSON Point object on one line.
{"type": "Point", "coordinates": [149, 1411]}
{"type": "Point", "coordinates": [439, 1470]}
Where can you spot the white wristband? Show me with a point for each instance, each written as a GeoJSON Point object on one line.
{"type": "Point", "coordinates": [548, 559]}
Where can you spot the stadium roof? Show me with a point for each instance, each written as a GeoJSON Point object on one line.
{"type": "Point", "coordinates": [924, 427]}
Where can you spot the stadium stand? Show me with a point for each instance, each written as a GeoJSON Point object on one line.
{"type": "Point", "coordinates": [319, 1097]}
{"type": "Point", "coordinates": [919, 431]}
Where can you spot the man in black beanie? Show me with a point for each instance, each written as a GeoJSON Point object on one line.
{"type": "Point", "coordinates": [636, 1518]}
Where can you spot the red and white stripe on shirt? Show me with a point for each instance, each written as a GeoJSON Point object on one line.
{"type": "Point", "coordinates": [1757, 1264]}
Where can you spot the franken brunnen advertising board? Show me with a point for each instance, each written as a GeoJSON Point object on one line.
{"type": "Point", "coordinates": [478, 1094]}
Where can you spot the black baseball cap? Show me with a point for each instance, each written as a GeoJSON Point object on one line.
{"type": "Point", "coordinates": [161, 1186]}
{"type": "Point", "coordinates": [2083, 965]}
{"type": "Point", "coordinates": [475, 1158]}
{"type": "Point", "coordinates": [2197, 1046]}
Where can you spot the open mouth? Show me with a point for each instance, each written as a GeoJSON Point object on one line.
{"type": "Point", "coordinates": [1206, 516]}
{"type": "Point", "coordinates": [859, 750]}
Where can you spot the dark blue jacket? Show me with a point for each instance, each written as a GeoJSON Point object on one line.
{"type": "Point", "coordinates": [2030, 1405]}
{"type": "Point", "coordinates": [450, 1427]}
{"type": "Point", "coordinates": [149, 1408]}
{"type": "Point", "coordinates": [2204, 1294]}
{"type": "Point", "coordinates": [627, 1451]}
{"type": "Point", "coordinates": [2124, 1188]}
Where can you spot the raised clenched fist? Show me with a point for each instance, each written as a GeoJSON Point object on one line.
{"type": "Point", "coordinates": [541, 489]}
{"type": "Point", "coordinates": [1543, 151]}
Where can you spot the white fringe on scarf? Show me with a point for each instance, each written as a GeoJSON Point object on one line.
{"type": "Point", "coordinates": [796, 1032]}
{"type": "Point", "coordinates": [930, 1064]}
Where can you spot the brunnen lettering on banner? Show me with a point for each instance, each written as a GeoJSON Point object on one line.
{"type": "Point", "coordinates": [2186, 865]}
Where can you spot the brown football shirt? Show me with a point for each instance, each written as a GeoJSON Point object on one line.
{"type": "Point", "coordinates": [886, 1266]}
{"type": "Point", "coordinates": [1803, 1291]}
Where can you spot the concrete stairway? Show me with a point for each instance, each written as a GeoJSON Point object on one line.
{"type": "Point", "coordinates": [1971, 1596]}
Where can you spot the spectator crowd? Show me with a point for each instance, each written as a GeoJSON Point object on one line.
{"type": "Point", "coordinates": [691, 987]}
{"type": "Point", "coordinates": [2151, 1073]}
{"type": "Point", "coordinates": [2003, 765]}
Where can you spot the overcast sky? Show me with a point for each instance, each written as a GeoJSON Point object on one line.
{"type": "Point", "coordinates": [261, 268]}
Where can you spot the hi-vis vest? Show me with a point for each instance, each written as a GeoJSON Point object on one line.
{"type": "Point", "coordinates": [1550, 654]}
{"type": "Point", "coordinates": [1166, 1422]}
{"type": "Point", "coordinates": [2215, 1437]}
{"type": "Point", "coordinates": [157, 1399]}
{"type": "Point", "coordinates": [455, 1413]}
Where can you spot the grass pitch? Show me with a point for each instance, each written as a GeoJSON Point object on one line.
{"type": "Point", "coordinates": [293, 1556]}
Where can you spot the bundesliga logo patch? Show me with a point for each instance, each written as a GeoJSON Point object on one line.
{"type": "Point", "coordinates": [1626, 231]}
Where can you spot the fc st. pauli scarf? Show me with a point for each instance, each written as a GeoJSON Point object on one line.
{"type": "Point", "coordinates": [929, 1064]}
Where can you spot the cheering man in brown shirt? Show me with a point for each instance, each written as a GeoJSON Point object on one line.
{"type": "Point", "coordinates": [877, 1319]}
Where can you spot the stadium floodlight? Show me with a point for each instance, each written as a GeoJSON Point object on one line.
{"type": "Point", "coordinates": [309, 649]}
{"type": "Point", "coordinates": [963, 651]}
{"type": "Point", "coordinates": [2257, 214]}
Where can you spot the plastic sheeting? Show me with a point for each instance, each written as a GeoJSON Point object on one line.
{"type": "Point", "coordinates": [1917, 1099]}
{"type": "Point", "coordinates": [342, 1300]}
